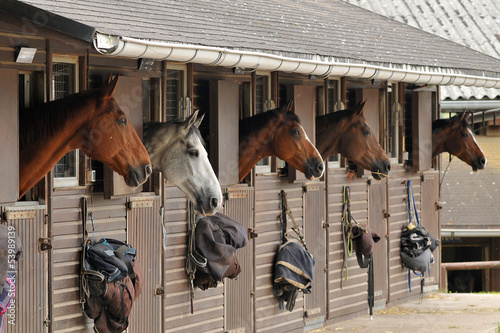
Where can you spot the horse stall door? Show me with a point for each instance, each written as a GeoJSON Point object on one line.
{"type": "Point", "coordinates": [239, 292]}
{"type": "Point", "coordinates": [377, 200]}
{"type": "Point", "coordinates": [145, 233]}
{"type": "Point", "coordinates": [208, 304]}
{"type": "Point", "coordinates": [315, 235]}
{"type": "Point", "coordinates": [30, 310]}
{"type": "Point", "coordinates": [430, 219]}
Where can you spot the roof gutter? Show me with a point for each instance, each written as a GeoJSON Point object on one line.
{"type": "Point", "coordinates": [317, 65]}
{"type": "Point", "coordinates": [475, 105]}
{"type": "Point", "coordinates": [470, 232]}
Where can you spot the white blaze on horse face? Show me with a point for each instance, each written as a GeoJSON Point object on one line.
{"type": "Point", "coordinates": [474, 138]}
{"type": "Point", "coordinates": [315, 149]}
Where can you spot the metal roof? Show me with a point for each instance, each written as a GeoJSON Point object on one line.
{"type": "Point", "coordinates": [323, 37]}
{"type": "Point", "coordinates": [474, 23]}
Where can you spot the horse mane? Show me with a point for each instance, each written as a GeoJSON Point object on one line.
{"type": "Point", "coordinates": [153, 127]}
{"type": "Point", "coordinates": [325, 121]}
{"type": "Point", "coordinates": [441, 123]}
{"type": "Point", "coordinates": [44, 120]}
{"type": "Point", "coordinates": [255, 123]}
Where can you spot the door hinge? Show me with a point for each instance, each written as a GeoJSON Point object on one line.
{"type": "Point", "coordinates": [325, 225]}
{"type": "Point", "coordinates": [159, 291]}
{"type": "Point", "coordinates": [386, 214]}
{"type": "Point", "coordinates": [45, 244]}
{"type": "Point", "coordinates": [46, 322]}
{"type": "Point", "coordinates": [252, 233]}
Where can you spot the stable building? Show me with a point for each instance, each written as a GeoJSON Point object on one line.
{"type": "Point", "coordinates": [229, 61]}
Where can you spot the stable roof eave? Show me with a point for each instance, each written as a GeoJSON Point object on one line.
{"type": "Point", "coordinates": [316, 65]}
{"type": "Point", "coordinates": [43, 18]}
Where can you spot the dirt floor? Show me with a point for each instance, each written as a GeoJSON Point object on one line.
{"type": "Point", "coordinates": [458, 313]}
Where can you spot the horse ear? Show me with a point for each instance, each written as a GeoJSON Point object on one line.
{"type": "Point", "coordinates": [358, 109]}
{"type": "Point", "coordinates": [191, 120]}
{"type": "Point", "coordinates": [465, 116]}
{"type": "Point", "coordinates": [110, 86]}
{"type": "Point", "coordinates": [287, 107]}
{"type": "Point", "coordinates": [198, 120]}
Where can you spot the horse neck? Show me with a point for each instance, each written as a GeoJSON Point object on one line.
{"type": "Point", "coordinates": [159, 143]}
{"type": "Point", "coordinates": [439, 138]}
{"type": "Point", "coordinates": [255, 145]}
{"type": "Point", "coordinates": [329, 131]}
{"type": "Point", "coordinates": [47, 133]}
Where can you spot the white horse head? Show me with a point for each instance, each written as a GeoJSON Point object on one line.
{"type": "Point", "coordinates": [176, 149]}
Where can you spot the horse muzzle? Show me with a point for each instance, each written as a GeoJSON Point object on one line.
{"type": "Point", "coordinates": [138, 175]}
{"type": "Point", "coordinates": [208, 206]}
{"type": "Point", "coordinates": [479, 164]}
{"type": "Point", "coordinates": [381, 170]}
{"type": "Point", "coordinates": [314, 168]}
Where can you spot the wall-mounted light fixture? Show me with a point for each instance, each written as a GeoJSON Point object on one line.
{"type": "Point", "coordinates": [25, 55]}
{"type": "Point", "coordinates": [146, 64]}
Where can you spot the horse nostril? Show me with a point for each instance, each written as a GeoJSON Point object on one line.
{"type": "Point", "coordinates": [321, 167]}
{"type": "Point", "coordinates": [388, 167]}
{"type": "Point", "coordinates": [149, 171]}
{"type": "Point", "coordinates": [482, 161]}
{"type": "Point", "coordinates": [214, 203]}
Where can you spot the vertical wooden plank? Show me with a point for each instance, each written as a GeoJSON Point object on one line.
{"type": "Point", "coordinates": [30, 303]}
{"type": "Point", "coordinates": [9, 136]}
{"type": "Point", "coordinates": [145, 232]}
{"type": "Point", "coordinates": [422, 130]}
{"type": "Point", "coordinates": [128, 95]}
{"type": "Point", "coordinates": [239, 292]}
{"type": "Point", "coordinates": [430, 219]}
{"type": "Point", "coordinates": [377, 205]}
{"type": "Point", "coordinates": [224, 117]}
{"type": "Point", "coordinates": [303, 106]}
{"type": "Point", "coordinates": [315, 236]}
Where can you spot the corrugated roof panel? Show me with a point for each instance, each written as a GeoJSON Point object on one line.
{"type": "Point", "coordinates": [474, 23]}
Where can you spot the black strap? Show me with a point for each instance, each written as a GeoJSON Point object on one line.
{"type": "Point", "coordinates": [363, 261]}
{"type": "Point", "coordinates": [120, 254]}
{"type": "Point", "coordinates": [371, 285]}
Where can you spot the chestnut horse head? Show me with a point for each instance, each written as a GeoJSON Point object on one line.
{"type": "Point", "coordinates": [346, 132]}
{"type": "Point", "coordinates": [277, 133]}
{"type": "Point", "coordinates": [91, 121]}
{"type": "Point", "coordinates": [176, 149]}
{"type": "Point", "coordinates": [454, 136]}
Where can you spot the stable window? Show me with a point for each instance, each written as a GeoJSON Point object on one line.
{"type": "Point", "coordinates": [394, 122]}
{"type": "Point", "coordinates": [177, 104]}
{"type": "Point", "coordinates": [64, 83]}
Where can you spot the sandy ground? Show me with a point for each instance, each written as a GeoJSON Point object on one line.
{"type": "Point", "coordinates": [458, 313]}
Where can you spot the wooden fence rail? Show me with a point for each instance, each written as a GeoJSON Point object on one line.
{"type": "Point", "coordinates": [472, 265]}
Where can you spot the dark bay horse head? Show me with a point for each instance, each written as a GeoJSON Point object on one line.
{"type": "Point", "coordinates": [176, 149]}
{"type": "Point", "coordinates": [277, 133]}
{"type": "Point", "coordinates": [91, 121]}
{"type": "Point", "coordinates": [346, 132]}
{"type": "Point", "coordinates": [455, 136]}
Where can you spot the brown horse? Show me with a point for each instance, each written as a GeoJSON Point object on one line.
{"type": "Point", "coordinates": [346, 132]}
{"type": "Point", "coordinates": [277, 133]}
{"type": "Point", "coordinates": [454, 136]}
{"type": "Point", "coordinates": [91, 121]}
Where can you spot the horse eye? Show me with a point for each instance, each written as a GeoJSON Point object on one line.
{"type": "Point", "coordinates": [465, 135]}
{"type": "Point", "coordinates": [296, 133]}
{"type": "Point", "coordinates": [193, 153]}
{"type": "Point", "coordinates": [366, 133]}
{"type": "Point", "coordinates": [122, 121]}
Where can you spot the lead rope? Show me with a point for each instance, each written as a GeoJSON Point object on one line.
{"type": "Point", "coordinates": [346, 231]}
{"type": "Point", "coordinates": [193, 258]}
{"type": "Point", "coordinates": [411, 202]}
{"type": "Point", "coordinates": [295, 228]}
